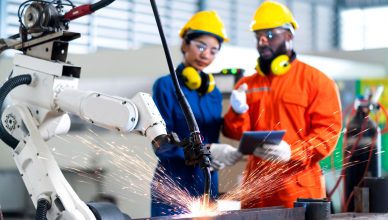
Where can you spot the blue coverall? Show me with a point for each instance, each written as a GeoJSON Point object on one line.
{"type": "Point", "coordinates": [207, 110]}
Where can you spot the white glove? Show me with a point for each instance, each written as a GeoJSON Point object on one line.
{"type": "Point", "coordinates": [238, 99]}
{"type": "Point", "coordinates": [277, 153]}
{"type": "Point", "coordinates": [225, 154]}
{"type": "Point", "coordinates": [216, 165]}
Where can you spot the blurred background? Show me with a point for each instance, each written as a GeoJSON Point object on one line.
{"type": "Point", "coordinates": [120, 54]}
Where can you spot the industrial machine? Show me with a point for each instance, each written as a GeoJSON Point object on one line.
{"type": "Point", "coordinates": [362, 145]}
{"type": "Point", "coordinates": [43, 90]}
{"type": "Point", "coordinates": [361, 148]}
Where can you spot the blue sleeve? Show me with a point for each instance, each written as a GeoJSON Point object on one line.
{"type": "Point", "coordinates": [165, 100]}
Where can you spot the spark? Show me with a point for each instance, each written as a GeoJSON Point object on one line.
{"type": "Point", "coordinates": [132, 172]}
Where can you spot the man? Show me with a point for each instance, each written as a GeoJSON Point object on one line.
{"type": "Point", "coordinates": [284, 94]}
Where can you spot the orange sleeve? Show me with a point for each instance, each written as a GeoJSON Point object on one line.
{"type": "Point", "coordinates": [325, 127]}
{"type": "Point", "coordinates": [235, 124]}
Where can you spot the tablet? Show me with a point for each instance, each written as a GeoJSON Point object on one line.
{"type": "Point", "coordinates": [252, 139]}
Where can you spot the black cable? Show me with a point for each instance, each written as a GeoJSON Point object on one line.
{"type": "Point", "coordinates": [7, 87]}
{"type": "Point", "coordinates": [196, 144]}
{"type": "Point", "coordinates": [103, 3]}
{"type": "Point", "coordinates": [189, 116]}
{"type": "Point", "coordinates": [41, 209]}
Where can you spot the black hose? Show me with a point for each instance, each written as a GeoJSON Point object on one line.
{"type": "Point", "coordinates": [207, 178]}
{"type": "Point", "coordinates": [189, 116]}
{"type": "Point", "coordinates": [41, 209]}
{"type": "Point", "coordinates": [7, 87]}
{"type": "Point", "coordinates": [196, 137]}
{"type": "Point", "coordinates": [98, 5]}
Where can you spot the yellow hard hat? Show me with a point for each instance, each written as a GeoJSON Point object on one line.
{"type": "Point", "coordinates": [207, 22]}
{"type": "Point", "coordinates": [272, 14]}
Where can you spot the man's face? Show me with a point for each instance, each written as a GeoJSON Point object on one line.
{"type": "Point", "coordinates": [272, 42]}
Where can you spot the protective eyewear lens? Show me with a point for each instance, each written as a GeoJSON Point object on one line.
{"type": "Point", "coordinates": [202, 47]}
{"type": "Point", "coordinates": [269, 34]}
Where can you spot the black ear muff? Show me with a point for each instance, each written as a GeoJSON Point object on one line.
{"type": "Point", "coordinates": [202, 82]}
{"type": "Point", "coordinates": [258, 69]}
{"type": "Point", "coordinates": [279, 66]}
{"type": "Point", "coordinates": [208, 83]}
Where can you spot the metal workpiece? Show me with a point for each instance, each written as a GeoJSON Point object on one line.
{"type": "Point", "coordinates": [316, 209]}
{"type": "Point", "coordinates": [270, 213]}
{"type": "Point", "coordinates": [359, 216]}
{"type": "Point", "coordinates": [378, 194]}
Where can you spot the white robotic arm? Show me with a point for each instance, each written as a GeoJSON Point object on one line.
{"type": "Point", "coordinates": [39, 111]}
{"type": "Point", "coordinates": [138, 115]}
{"type": "Point", "coordinates": [44, 89]}
{"type": "Point", "coordinates": [52, 93]}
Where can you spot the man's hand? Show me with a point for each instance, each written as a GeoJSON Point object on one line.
{"type": "Point", "coordinates": [225, 154]}
{"type": "Point", "coordinates": [277, 153]}
{"type": "Point", "coordinates": [238, 99]}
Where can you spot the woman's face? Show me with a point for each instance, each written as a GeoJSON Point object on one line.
{"type": "Point", "coordinates": [200, 52]}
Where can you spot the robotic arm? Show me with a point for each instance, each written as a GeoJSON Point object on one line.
{"type": "Point", "coordinates": [53, 92]}
{"type": "Point", "coordinates": [138, 115]}
{"type": "Point", "coordinates": [43, 90]}
{"type": "Point", "coordinates": [39, 110]}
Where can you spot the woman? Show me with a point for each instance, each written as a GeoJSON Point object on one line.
{"type": "Point", "coordinates": [202, 37]}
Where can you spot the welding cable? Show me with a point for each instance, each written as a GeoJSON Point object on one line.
{"type": "Point", "coordinates": [86, 9]}
{"type": "Point", "coordinates": [187, 111]}
{"type": "Point", "coordinates": [41, 209]}
{"type": "Point", "coordinates": [98, 5]}
{"type": "Point", "coordinates": [385, 111]}
{"type": "Point", "coordinates": [189, 116]}
{"type": "Point", "coordinates": [7, 87]}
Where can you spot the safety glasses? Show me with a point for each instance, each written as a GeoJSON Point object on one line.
{"type": "Point", "coordinates": [202, 47]}
{"type": "Point", "coordinates": [269, 34]}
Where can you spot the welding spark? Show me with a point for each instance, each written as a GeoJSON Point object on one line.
{"type": "Point", "coordinates": [131, 174]}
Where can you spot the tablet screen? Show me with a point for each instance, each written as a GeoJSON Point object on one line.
{"type": "Point", "coordinates": [252, 139]}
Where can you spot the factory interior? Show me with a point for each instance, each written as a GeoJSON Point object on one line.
{"type": "Point", "coordinates": [71, 71]}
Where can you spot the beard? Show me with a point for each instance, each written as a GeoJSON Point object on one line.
{"type": "Point", "coordinates": [265, 61]}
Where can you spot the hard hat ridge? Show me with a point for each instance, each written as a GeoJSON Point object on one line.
{"type": "Point", "coordinates": [272, 14]}
{"type": "Point", "coordinates": [207, 22]}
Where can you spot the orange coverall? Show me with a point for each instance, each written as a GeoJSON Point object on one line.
{"type": "Point", "coordinates": [306, 104]}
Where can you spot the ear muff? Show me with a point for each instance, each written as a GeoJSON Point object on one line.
{"type": "Point", "coordinates": [212, 83]}
{"type": "Point", "coordinates": [208, 83]}
{"type": "Point", "coordinates": [279, 66]}
{"type": "Point", "coordinates": [202, 82]}
{"type": "Point", "coordinates": [191, 78]}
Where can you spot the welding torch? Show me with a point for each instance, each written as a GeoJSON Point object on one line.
{"type": "Point", "coordinates": [86, 9]}
{"type": "Point", "coordinates": [194, 150]}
